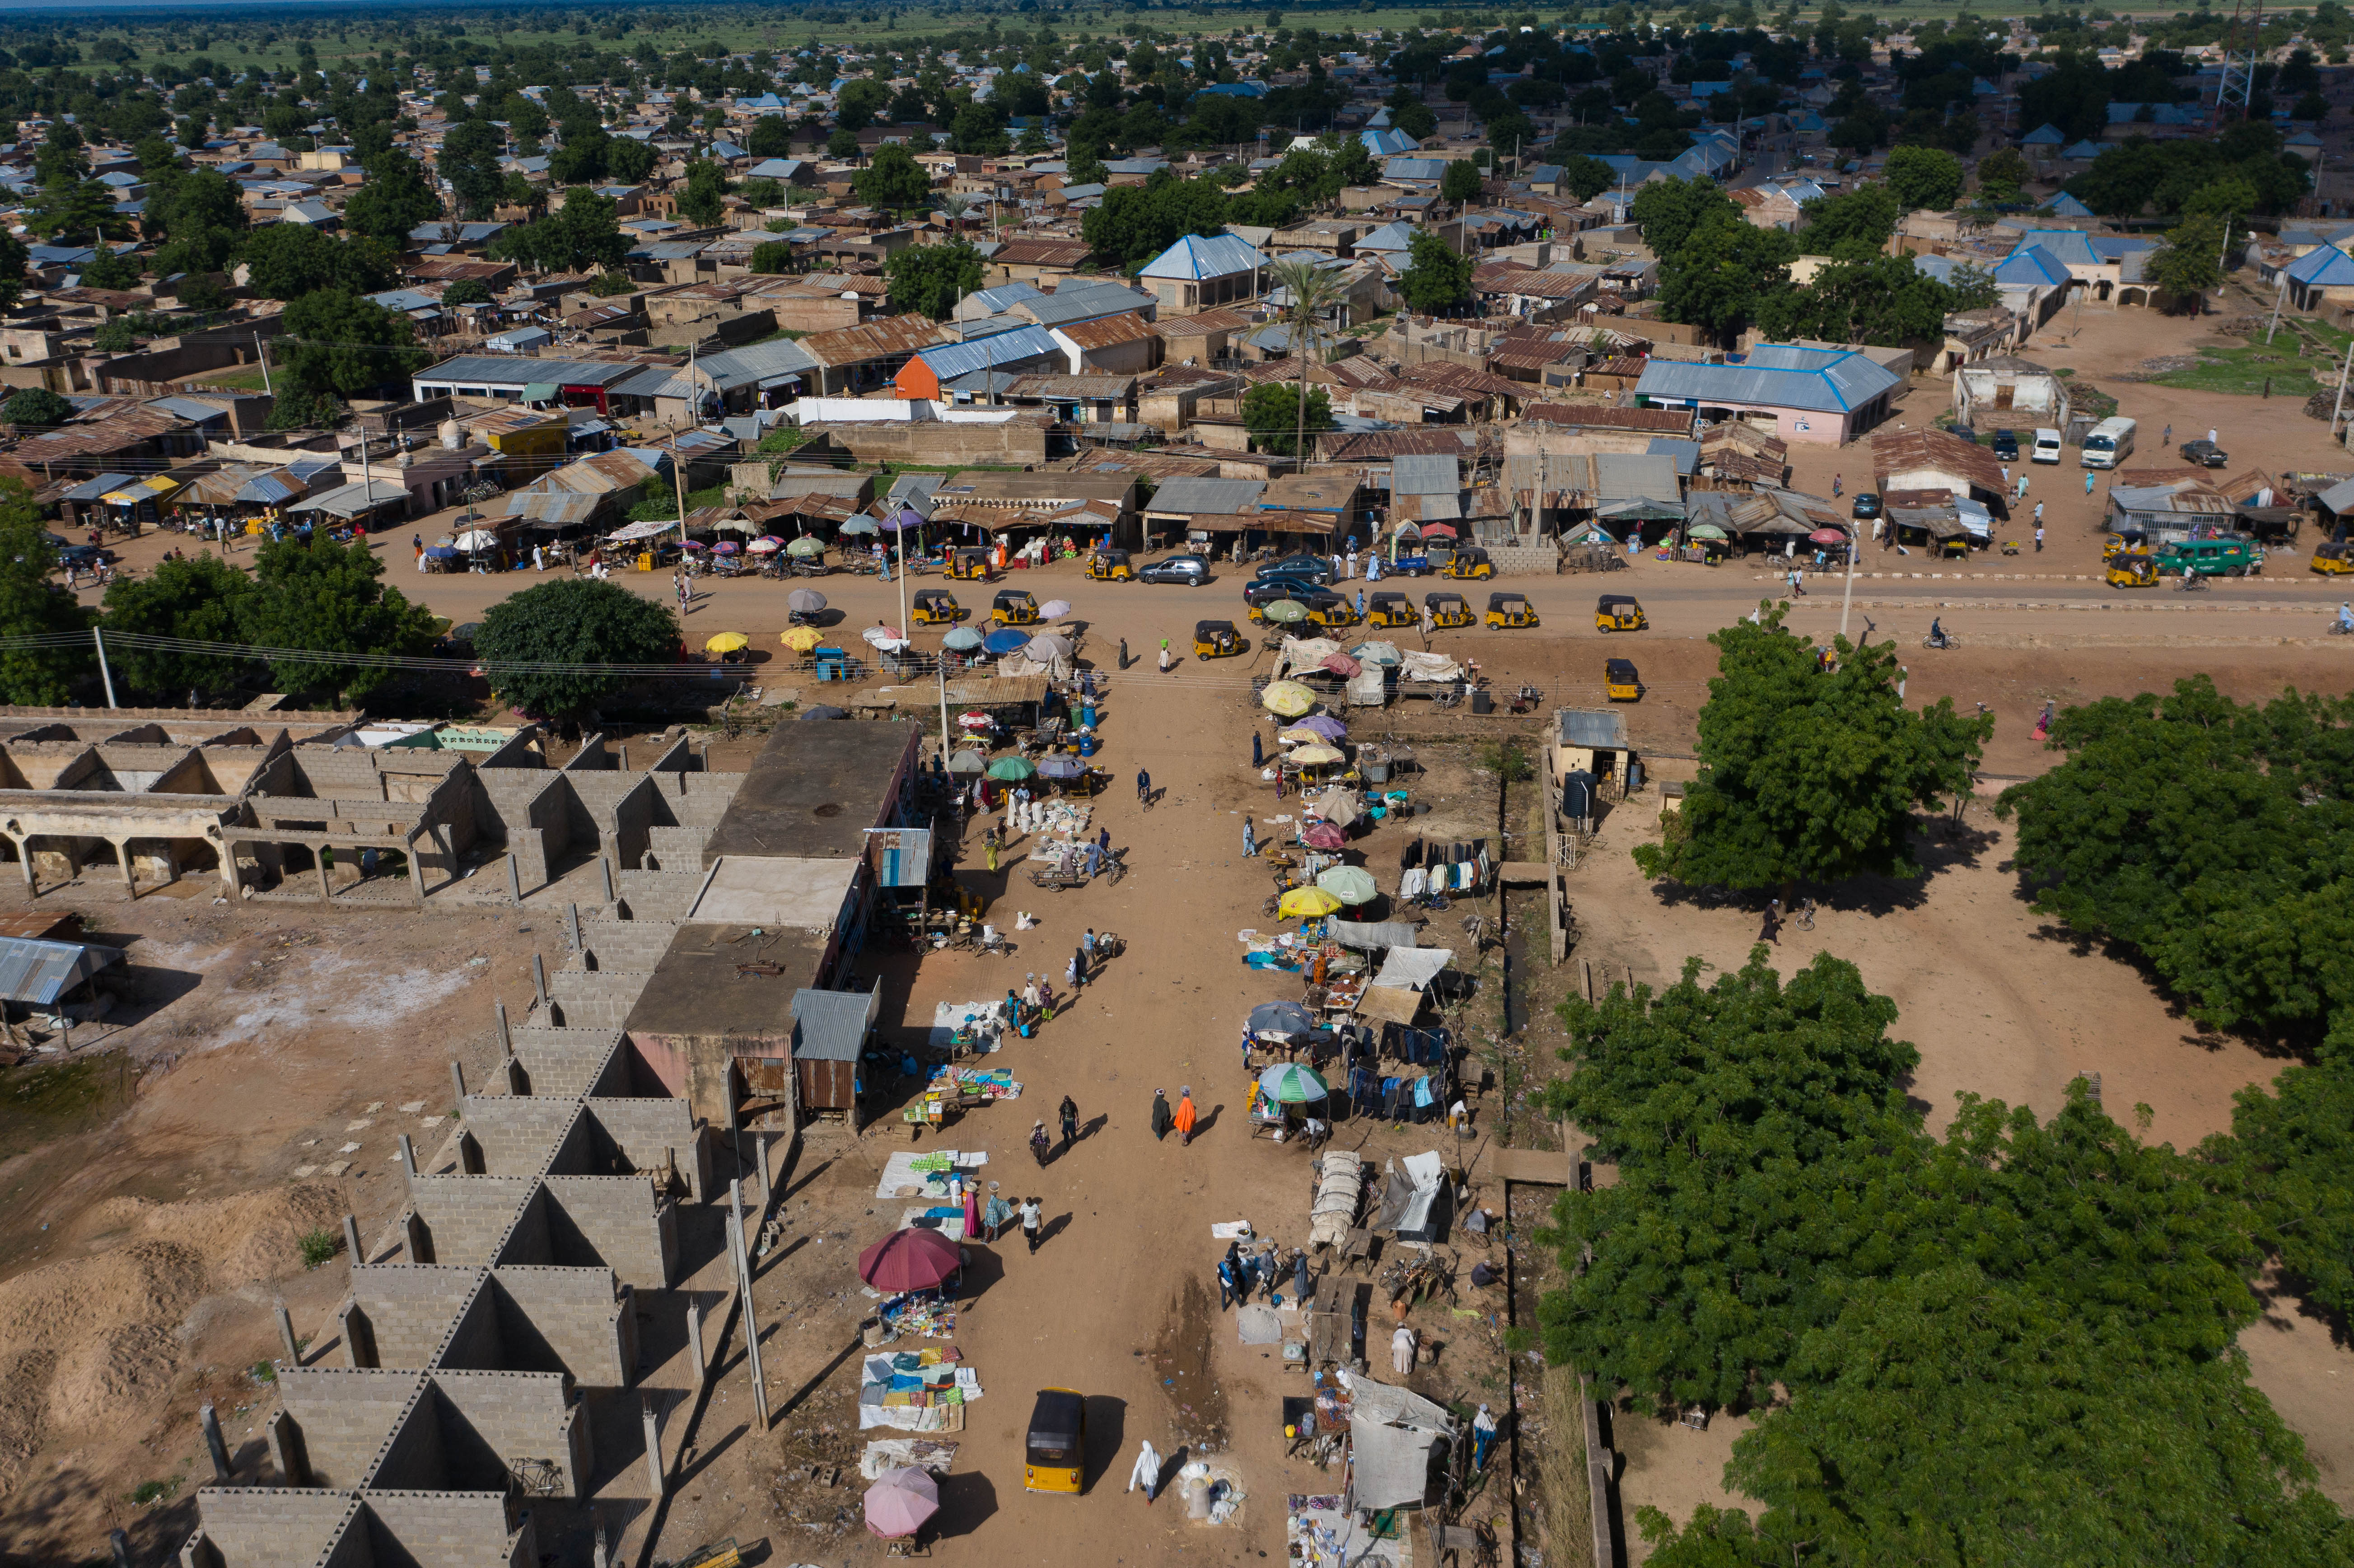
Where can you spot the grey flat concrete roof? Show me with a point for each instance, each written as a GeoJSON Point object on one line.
{"type": "Point", "coordinates": [813, 792]}
{"type": "Point", "coordinates": [804, 894]}
{"type": "Point", "coordinates": [695, 991]}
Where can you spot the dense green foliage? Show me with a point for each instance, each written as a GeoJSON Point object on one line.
{"type": "Point", "coordinates": [200, 599]}
{"type": "Point", "coordinates": [930, 279]}
{"type": "Point", "coordinates": [1806, 775]}
{"type": "Point", "coordinates": [31, 605]}
{"type": "Point", "coordinates": [1136, 223]}
{"type": "Point", "coordinates": [1925, 177]}
{"type": "Point", "coordinates": [324, 599]}
{"type": "Point", "coordinates": [2136, 175]}
{"type": "Point", "coordinates": [893, 179]}
{"type": "Point", "coordinates": [1272, 412]}
{"type": "Point", "coordinates": [337, 341]}
{"type": "Point", "coordinates": [1716, 266]}
{"type": "Point", "coordinates": [1884, 300]}
{"type": "Point", "coordinates": [574, 621]}
{"type": "Point", "coordinates": [36, 405]}
{"type": "Point", "coordinates": [1437, 279]}
{"type": "Point", "coordinates": [288, 260]}
{"type": "Point", "coordinates": [582, 235]}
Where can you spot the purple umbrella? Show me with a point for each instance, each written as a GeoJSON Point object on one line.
{"type": "Point", "coordinates": [904, 518]}
{"type": "Point", "coordinates": [1330, 728]}
{"type": "Point", "coordinates": [899, 1502]}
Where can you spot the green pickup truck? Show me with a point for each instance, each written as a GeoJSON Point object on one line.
{"type": "Point", "coordinates": [2210, 558]}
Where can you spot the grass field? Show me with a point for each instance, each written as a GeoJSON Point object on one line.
{"type": "Point", "coordinates": [2245, 372]}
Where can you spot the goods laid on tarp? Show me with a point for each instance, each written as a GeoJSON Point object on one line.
{"type": "Point", "coordinates": [1340, 1190]}
{"type": "Point", "coordinates": [1055, 818]}
{"type": "Point", "coordinates": [935, 1174]}
{"type": "Point", "coordinates": [980, 1023]}
{"type": "Point", "coordinates": [988, 1083]}
{"type": "Point", "coordinates": [917, 1391]}
{"type": "Point", "coordinates": [905, 1452]}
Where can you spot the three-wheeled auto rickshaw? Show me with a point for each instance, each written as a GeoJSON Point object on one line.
{"type": "Point", "coordinates": [1389, 610]}
{"type": "Point", "coordinates": [1014, 607]}
{"type": "Point", "coordinates": [1218, 640]}
{"type": "Point", "coordinates": [1055, 1451]}
{"type": "Point", "coordinates": [2330, 560]}
{"type": "Point", "coordinates": [1470, 562]}
{"type": "Point", "coordinates": [1508, 609]}
{"type": "Point", "coordinates": [1446, 609]}
{"type": "Point", "coordinates": [935, 607]}
{"type": "Point", "coordinates": [2132, 569]}
{"type": "Point", "coordinates": [969, 566]}
{"type": "Point", "coordinates": [1618, 612]}
{"type": "Point", "coordinates": [1112, 566]}
{"type": "Point", "coordinates": [1619, 679]}
{"type": "Point", "coordinates": [1329, 609]}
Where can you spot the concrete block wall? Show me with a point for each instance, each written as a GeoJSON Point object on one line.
{"type": "Point", "coordinates": [567, 1062]}
{"type": "Point", "coordinates": [676, 849]}
{"type": "Point", "coordinates": [611, 1220]}
{"type": "Point", "coordinates": [623, 806]}
{"type": "Point", "coordinates": [1517, 560]}
{"type": "Point", "coordinates": [346, 1415]}
{"type": "Point", "coordinates": [355, 1547]}
{"type": "Point", "coordinates": [474, 1338]}
{"type": "Point", "coordinates": [565, 1319]}
{"type": "Point", "coordinates": [467, 1217]}
{"type": "Point", "coordinates": [648, 1133]}
{"type": "Point", "coordinates": [273, 1525]}
{"type": "Point", "coordinates": [523, 809]}
{"type": "Point", "coordinates": [658, 895]}
{"type": "Point", "coordinates": [410, 1308]}
{"type": "Point", "coordinates": [491, 1418]}
{"type": "Point", "coordinates": [412, 1455]}
{"type": "Point", "coordinates": [630, 946]}
{"type": "Point", "coordinates": [528, 1242]}
{"type": "Point", "coordinates": [449, 1529]}
{"type": "Point", "coordinates": [594, 998]}
{"type": "Point", "coordinates": [516, 1131]}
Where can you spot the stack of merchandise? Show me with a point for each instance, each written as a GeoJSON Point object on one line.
{"type": "Point", "coordinates": [1048, 819]}
{"type": "Point", "coordinates": [927, 1315]}
{"type": "Point", "coordinates": [988, 1083]}
{"type": "Point", "coordinates": [1318, 1532]}
{"type": "Point", "coordinates": [917, 1391]}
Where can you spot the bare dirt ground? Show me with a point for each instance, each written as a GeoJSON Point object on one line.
{"type": "Point", "coordinates": [145, 1235]}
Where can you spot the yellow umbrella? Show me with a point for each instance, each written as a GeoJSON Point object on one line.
{"type": "Point", "coordinates": [1288, 698]}
{"type": "Point", "coordinates": [1300, 734]}
{"type": "Point", "coordinates": [1315, 756]}
{"type": "Point", "coordinates": [727, 642]}
{"type": "Point", "coordinates": [802, 638]}
{"type": "Point", "coordinates": [1301, 903]}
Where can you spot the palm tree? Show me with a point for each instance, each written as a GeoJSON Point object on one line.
{"type": "Point", "coordinates": [1314, 290]}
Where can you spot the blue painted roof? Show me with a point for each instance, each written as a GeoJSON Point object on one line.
{"type": "Point", "coordinates": [998, 350]}
{"type": "Point", "coordinates": [2028, 266]}
{"type": "Point", "coordinates": [1196, 257]}
{"type": "Point", "coordinates": [1776, 374]}
{"type": "Point", "coordinates": [2067, 246]}
{"type": "Point", "coordinates": [1382, 142]}
{"type": "Point", "coordinates": [1235, 89]}
{"type": "Point", "coordinates": [2085, 149]}
{"type": "Point", "coordinates": [2327, 268]}
{"type": "Point", "coordinates": [1414, 169]}
{"type": "Point", "coordinates": [2065, 206]}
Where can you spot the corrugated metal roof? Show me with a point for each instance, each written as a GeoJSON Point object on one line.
{"type": "Point", "coordinates": [1203, 256]}
{"type": "Point", "coordinates": [997, 349]}
{"type": "Point", "coordinates": [489, 369]}
{"type": "Point", "coordinates": [1068, 306]}
{"type": "Point", "coordinates": [1603, 729]}
{"type": "Point", "coordinates": [830, 1025]}
{"type": "Point", "coordinates": [190, 409]}
{"type": "Point", "coordinates": [1627, 476]}
{"type": "Point", "coordinates": [1220, 497]}
{"type": "Point", "coordinates": [42, 972]}
{"type": "Point", "coordinates": [1425, 474]}
{"type": "Point", "coordinates": [1777, 376]}
{"type": "Point", "coordinates": [351, 500]}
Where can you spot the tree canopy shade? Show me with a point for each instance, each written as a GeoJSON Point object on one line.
{"type": "Point", "coordinates": [288, 260]}
{"type": "Point", "coordinates": [200, 599]}
{"type": "Point", "coordinates": [893, 179]}
{"type": "Point", "coordinates": [928, 278]}
{"type": "Point", "coordinates": [32, 606]}
{"type": "Point", "coordinates": [574, 621]}
{"type": "Point", "coordinates": [469, 160]}
{"type": "Point", "coordinates": [1883, 300]}
{"type": "Point", "coordinates": [1133, 224]}
{"type": "Point", "coordinates": [1460, 183]}
{"type": "Point", "coordinates": [335, 341]}
{"type": "Point", "coordinates": [1273, 413]}
{"type": "Point", "coordinates": [1853, 227]}
{"type": "Point", "coordinates": [1925, 177]}
{"type": "Point", "coordinates": [1435, 278]}
{"type": "Point", "coordinates": [36, 405]}
{"type": "Point", "coordinates": [584, 236]}
{"type": "Point", "coordinates": [1809, 776]}
{"type": "Point", "coordinates": [324, 599]}
{"type": "Point", "coordinates": [2189, 261]}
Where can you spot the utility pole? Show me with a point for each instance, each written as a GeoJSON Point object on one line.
{"type": "Point", "coordinates": [262, 350]}
{"type": "Point", "coordinates": [107, 675]}
{"type": "Point", "coordinates": [2339, 406]}
{"type": "Point", "coordinates": [1848, 597]}
{"type": "Point", "coordinates": [677, 472]}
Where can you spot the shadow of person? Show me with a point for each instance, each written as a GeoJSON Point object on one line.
{"type": "Point", "coordinates": [1207, 1120]}
{"type": "Point", "coordinates": [1095, 1125]}
{"type": "Point", "coordinates": [1054, 1228]}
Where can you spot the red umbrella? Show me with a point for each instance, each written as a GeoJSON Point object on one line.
{"type": "Point", "coordinates": [1438, 530]}
{"type": "Point", "coordinates": [1827, 536]}
{"type": "Point", "coordinates": [909, 1260]}
{"type": "Point", "coordinates": [1341, 664]}
{"type": "Point", "coordinates": [1322, 835]}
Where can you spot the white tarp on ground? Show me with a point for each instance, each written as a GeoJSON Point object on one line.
{"type": "Point", "coordinates": [1413, 968]}
{"type": "Point", "coordinates": [1410, 1190]}
{"type": "Point", "coordinates": [1369, 935]}
{"type": "Point", "coordinates": [919, 1453]}
{"type": "Point", "coordinates": [1258, 1325]}
{"type": "Point", "coordinates": [1416, 665]}
{"type": "Point", "coordinates": [1340, 1185]}
{"type": "Point", "coordinates": [986, 1019]}
{"type": "Point", "coordinates": [1367, 689]}
{"type": "Point", "coordinates": [902, 1180]}
{"type": "Point", "coordinates": [1393, 1433]}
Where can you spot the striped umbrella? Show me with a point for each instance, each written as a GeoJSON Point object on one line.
{"type": "Point", "coordinates": [1289, 1083]}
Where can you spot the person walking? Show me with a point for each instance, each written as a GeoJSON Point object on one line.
{"type": "Point", "coordinates": [1164, 655]}
{"type": "Point", "coordinates": [1836, 483]}
{"type": "Point", "coordinates": [1144, 798]}
{"type": "Point", "coordinates": [1770, 931]}
{"type": "Point", "coordinates": [989, 844]}
{"type": "Point", "coordinates": [1087, 950]}
{"type": "Point", "coordinates": [2006, 474]}
{"type": "Point", "coordinates": [2039, 515]}
{"type": "Point", "coordinates": [1902, 676]}
{"type": "Point", "coordinates": [2211, 436]}
{"type": "Point", "coordinates": [1046, 1002]}
{"type": "Point", "coordinates": [1147, 1474]}
{"type": "Point", "coordinates": [1799, 582]}
{"type": "Point", "coordinates": [1402, 1348]}
{"type": "Point", "coordinates": [2039, 538]}
{"type": "Point", "coordinates": [1030, 1224]}
{"type": "Point", "coordinates": [1483, 1436]}
{"type": "Point", "coordinates": [1162, 1120]}
{"type": "Point", "coordinates": [1361, 604]}
{"type": "Point", "coordinates": [1250, 840]}
{"type": "Point", "coordinates": [1123, 652]}
{"type": "Point", "coordinates": [1185, 1115]}
{"type": "Point", "coordinates": [2167, 440]}
{"type": "Point", "coordinates": [1069, 1113]}
{"type": "Point", "coordinates": [2088, 481]}
{"type": "Point", "coordinates": [1229, 1286]}
{"type": "Point", "coordinates": [1258, 749]}
{"type": "Point", "coordinates": [1352, 559]}
{"type": "Point", "coordinates": [1076, 974]}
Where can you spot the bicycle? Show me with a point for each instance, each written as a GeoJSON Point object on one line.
{"type": "Point", "coordinates": [1803, 917]}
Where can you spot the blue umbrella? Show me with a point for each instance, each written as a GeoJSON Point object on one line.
{"type": "Point", "coordinates": [1279, 1018]}
{"type": "Point", "coordinates": [1005, 639]}
{"type": "Point", "coordinates": [1062, 768]}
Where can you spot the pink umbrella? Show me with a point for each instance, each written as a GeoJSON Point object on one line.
{"type": "Point", "coordinates": [909, 1260]}
{"type": "Point", "coordinates": [900, 1500]}
{"type": "Point", "coordinates": [1827, 536]}
{"type": "Point", "coordinates": [1322, 835]}
{"type": "Point", "coordinates": [1341, 664]}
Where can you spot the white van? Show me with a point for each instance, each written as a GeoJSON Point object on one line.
{"type": "Point", "coordinates": [2111, 442]}
{"type": "Point", "coordinates": [2047, 446]}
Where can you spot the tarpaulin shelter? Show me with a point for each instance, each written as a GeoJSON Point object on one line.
{"type": "Point", "coordinates": [1370, 936]}
{"type": "Point", "coordinates": [1340, 1185]}
{"type": "Point", "coordinates": [44, 972]}
{"type": "Point", "coordinates": [1394, 1436]}
{"type": "Point", "coordinates": [1413, 1192]}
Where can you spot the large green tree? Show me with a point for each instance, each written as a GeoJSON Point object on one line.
{"type": "Point", "coordinates": [582, 235]}
{"type": "Point", "coordinates": [1437, 279]}
{"type": "Point", "coordinates": [325, 599]}
{"type": "Point", "coordinates": [930, 279]}
{"type": "Point", "coordinates": [1925, 177]}
{"type": "Point", "coordinates": [44, 631]}
{"type": "Point", "coordinates": [1275, 413]}
{"type": "Point", "coordinates": [578, 622]}
{"type": "Point", "coordinates": [469, 160]}
{"type": "Point", "coordinates": [289, 261]}
{"type": "Point", "coordinates": [1808, 774]}
{"type": "Point", "coordinates": [1133, 224]}
{"type": "Point", "coordinates": [198, 598]}
{"type": "Point", "coordinates": [1461, 181]}
{"type": "Point", "coordinates": [1853, 227]}
{"type": "Point", "coordinates": [337, 341]}
{"type": "Point", "coordinates": [395, 199]}
{"type": "Point", "coordinates": [893, 180]}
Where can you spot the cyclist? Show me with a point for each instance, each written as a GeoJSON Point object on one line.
{"type": "Point", "coordinates": [1936, 633]}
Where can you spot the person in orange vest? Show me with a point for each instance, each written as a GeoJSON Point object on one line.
{"type": "Point", "coordinates": [1184, 1115]}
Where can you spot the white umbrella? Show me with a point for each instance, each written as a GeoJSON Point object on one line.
{"type": "Point", "coordinates": [477, 539]}
{"type": "Point", "coordinates": [1054, 609]}
{"type": "Point", "coordinates": [762, 547]}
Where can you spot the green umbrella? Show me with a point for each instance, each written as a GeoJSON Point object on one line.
{"type": "Point", "coordinates": [1292, 1084]}
{"type": "Point", "coordinates": [1285, 611]}
{"type": "Point", "coordinates": [1704, 531]}
{"type": "Point", "coordinates": [806, 547]}
{"type": "Point", "coordinates": [1349, 883]}
{"type": "Point", "coordinates": [1013, 769]}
